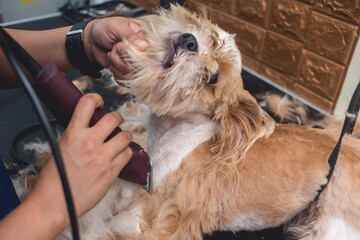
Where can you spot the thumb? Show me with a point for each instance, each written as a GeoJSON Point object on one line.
{"type": "Point", "coordinates": [136, 36]}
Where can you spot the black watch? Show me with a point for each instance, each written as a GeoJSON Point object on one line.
{"type": "Point", "coordinates": [76, 52]}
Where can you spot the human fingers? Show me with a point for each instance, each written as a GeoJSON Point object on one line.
{"type": "Point", "coordinates": [118, 67]}
{"type": "Point", "coordinates": [117, 144]}
{"type": "Point", "coordinates": [84, 110]}
{"type": "Point", "coordinates": [106, 125]}
{"type": "Point", "coordinates": [119, 162]}
{"type": "Point", "coordinates": [132, 34]}
{"type": "Point", "coordinates": [116, 58]}
{"type": "Point", "coordinates": [136, 38]}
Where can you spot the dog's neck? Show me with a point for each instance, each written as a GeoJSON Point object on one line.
{"type": "Point", "coordinates": [172, 138]}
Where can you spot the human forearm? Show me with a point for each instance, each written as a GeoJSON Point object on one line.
{"type": "Point", "coordinates": [33, 220]}
{"type": "Point", "coordinates": [45, 46]}
{"type": "Point", "coordinates": [104, 42]}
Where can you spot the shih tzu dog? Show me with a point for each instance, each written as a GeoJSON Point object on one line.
{"type": "Point", "coordinates": [219, 161]}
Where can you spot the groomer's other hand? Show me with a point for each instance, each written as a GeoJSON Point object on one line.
{"type": "Point", "coordinates": [91, 164]}
{"type": "Point", "coordinates": [105, 42]}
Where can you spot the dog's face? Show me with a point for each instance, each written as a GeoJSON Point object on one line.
{"type": "Point", "coordinates": [190, 63]}
{"type": "Point", "coordinates": [193, 66]}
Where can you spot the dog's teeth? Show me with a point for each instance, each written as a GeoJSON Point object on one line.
{"type": "Point", "coordinates": [175, 55]}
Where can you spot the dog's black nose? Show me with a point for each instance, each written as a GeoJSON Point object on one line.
{"type": "Point", "coordinates": [188, 42]}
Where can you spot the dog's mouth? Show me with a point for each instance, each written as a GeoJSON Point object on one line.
{"type": "Point", "coordinates": [170, 56]}
{"type": "Point", "coordinates": [185, 42]}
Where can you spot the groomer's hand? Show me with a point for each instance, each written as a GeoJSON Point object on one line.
{"type": "Point", "coordinates": [92, 165]}
{"type": "Point", "coordinates": [105, 41]}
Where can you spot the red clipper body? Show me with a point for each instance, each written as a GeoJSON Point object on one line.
{"type": "Point", "coordinates": [60, 95]}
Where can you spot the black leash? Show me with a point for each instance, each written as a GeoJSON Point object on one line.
{"type": "Point", "coordinates": [348, 127]}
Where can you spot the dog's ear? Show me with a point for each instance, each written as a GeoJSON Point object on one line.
{"type": "Point", "coordinates": [241, 123]}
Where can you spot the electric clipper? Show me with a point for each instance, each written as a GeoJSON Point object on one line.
{"type": "Point", "coordinates": [60, 95]}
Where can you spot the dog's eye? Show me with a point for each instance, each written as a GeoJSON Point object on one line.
{"type": "Point", "coordinates": [213, 78]}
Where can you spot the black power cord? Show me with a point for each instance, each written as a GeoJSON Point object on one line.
{"type": "Point", "coordinates": [4, 39]}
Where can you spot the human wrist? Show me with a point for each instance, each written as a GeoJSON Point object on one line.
{"type": "Point", "coordinates": [54, 217]}
{"type": "Point", "coordinates": [87, 41]}
{"type": "Point", "coordinates": [80, 54]}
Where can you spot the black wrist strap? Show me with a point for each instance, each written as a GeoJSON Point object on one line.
{"type": "Point", "coordinates": [76, 52]}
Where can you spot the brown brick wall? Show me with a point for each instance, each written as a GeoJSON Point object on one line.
{"type": "Point", "coordinates": [149, 5]}
{"type": "Point", "coordinates": [304, 46]}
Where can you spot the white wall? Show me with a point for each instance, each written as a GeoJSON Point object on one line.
{"type": "Point", "coordinates": [13, 10]}
{"type": "Point", "coordinates": [351, 80]}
